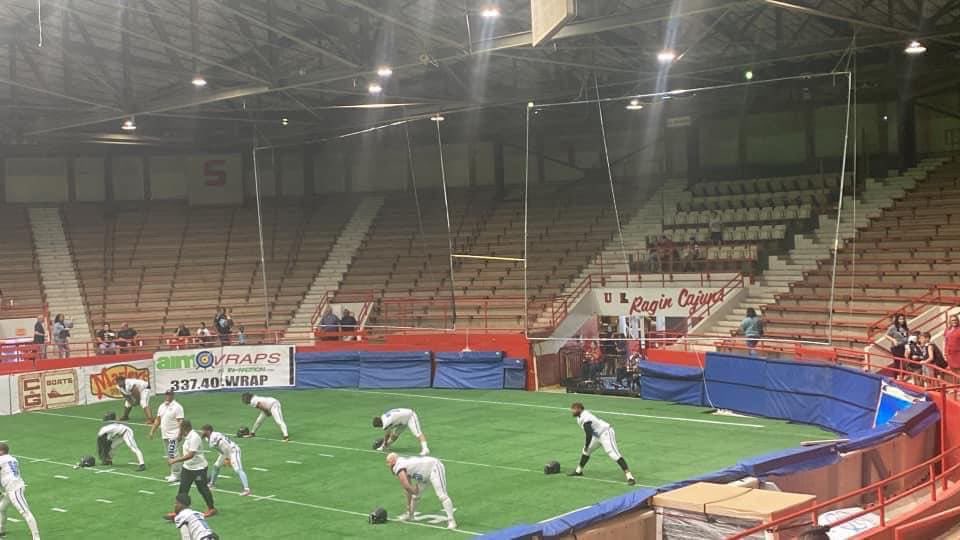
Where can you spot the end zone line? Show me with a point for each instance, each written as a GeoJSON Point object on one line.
{"type": "Point", "coordinates": [554, 407]}
{"type": "Point", "coordinates": [364, 450]}
{"type": "Point", "coordinates": [260, 498]}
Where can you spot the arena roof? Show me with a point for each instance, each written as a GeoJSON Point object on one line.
{"type": "Point", "coordinates": [75, 70]}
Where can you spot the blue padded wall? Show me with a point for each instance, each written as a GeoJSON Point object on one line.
{"type": "Point", "coordinates": [469, 370]}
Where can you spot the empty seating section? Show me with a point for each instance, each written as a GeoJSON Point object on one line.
{"type": "Point", "coordinates": [162, 264]}
{"type": "Point", "coordinates": [19, 273]}
{"type": "Point", "coordinates": [409, 272]}
{"type": "Point", "coordinates": [911, 247]}
{"type": "Point", "coordinates": [756, 217]}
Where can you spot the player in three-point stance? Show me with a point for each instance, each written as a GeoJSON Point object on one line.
{"type": "Point", "coordinates": [412, 472]}
{"type": "Point", "coordinates": [192, 524]}
{"type": "Point", "coordinates": [598, 433]}
{"type": "Point", "coordinates": [394, 422]}
{"type": "Point", "coordinates": [11, 492]}
{"type": "Point", "coordinates": [135, 392]}
{"type": "Point", "coordinates": [267, 406]}
{"type": "Point", "coordinates": [169, 416]}
{"type": "Point", "coordinates": [111, 435]}
{"type": "Point", "coordinates": [229, 454]}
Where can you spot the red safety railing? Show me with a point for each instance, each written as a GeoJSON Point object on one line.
{"type": "Point", "coordinates": [400, 313]}
{"type": "Point", "coordinates": [928, 527]}
{"type": "Point", "coordinates": [705, 310]}
{"type": "Point", "coordinates": [938, 295]}
{"type": "Point", "coordinates": [935, 471]}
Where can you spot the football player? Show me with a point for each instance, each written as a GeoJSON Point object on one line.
{"type": "Point", "coordinates": [135, 392]}
{"type": "Point", "coordinates": [192, 524]}
{"type": "Point", "coordinates": [111, 435]}
{"type": "Point", "coordinates": [11, 492]}
{"type": "Point", "coordinates": [267, 406]}
{"type": "Point", "coordinates": [229, 454]}
{"type": "Point", "coordinates": [412, 472]}
{"type": "Point", "coordinates": [598, 433]}
{"type": "Point", "coordinates": [169, 416]}
{"type": "Point", "coordinates": [394, 422]}
{"type": "Point", "coordinates": [194, 467]}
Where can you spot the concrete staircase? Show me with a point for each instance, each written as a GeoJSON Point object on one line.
{"type": "Point", "coordinates": [647, 220]}
{"type": "Point", "coordinates": [57, 271]}
{"type": "Point", "coordinates": [782, 271]}
{"type": "Point", "coordinates": [333, 269]}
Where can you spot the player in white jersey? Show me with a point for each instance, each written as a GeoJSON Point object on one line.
{"type": "Point", "coordinates": [135, 392]}
{"type": "Point", "coordinates": [111, 435]}
{"type": "Point", "coordinates": [394, 422]}
{"type": "Point", "coordinates": [169, 416]}
{"type": "Point", "coordinates": [229, 454]}
{"type": "Point", "coordinates": [191, 524]}
{"type": "Point", "coordinates": [412, 472]}
{"type": "Point", "coordinates": [598, 433]}
{"type": "Point", "coordinates": [11, 492]}
{"type": "Point", "coordinates": [267, 406]}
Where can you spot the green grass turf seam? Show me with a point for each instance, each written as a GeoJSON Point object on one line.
{"type": "Point", "coordinates": [271, 498]}
{"type": "Point", "coordinates": [363, 450]}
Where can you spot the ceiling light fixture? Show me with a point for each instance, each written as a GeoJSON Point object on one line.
{"type": "Point", "coordinates": [284, 121]}
{"type": "Point", "coordinates": [374, 88]}
{"type": "Point", "coordinates": [199, 81]}
{"type": "Point", "coordinates": [384, 71]}
{"type": "Point", "coordinates": [437, 118]}
{"type": "Point", "coordinates": [129, 124]}
{"type": "Point", "coordinates": [748, 75]}
{"type": "Point", "coordinates": [915, 47]}
{"type": "Point", "coordinates": [634, 105]}
{"type": "Point", "coordinates": [491, 12]}
{"type": "Point", "coordinates": [666, 56]}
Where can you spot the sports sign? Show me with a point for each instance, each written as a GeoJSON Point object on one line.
{"type": "Point", "coordinates": [47, 389]}
{"type": "Point", "coordinates": [224, 367]}
{"type": "Point", "coordinates": [103, 380]}
{"type": "Point", "coordinates": [669, 302]}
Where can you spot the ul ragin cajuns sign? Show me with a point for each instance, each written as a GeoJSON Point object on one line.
{"type": "Point", "coordinates": [652, 302]}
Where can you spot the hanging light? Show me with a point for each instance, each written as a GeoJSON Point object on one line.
{"type": "Point", "coordinates": [634, 105]}
{"type": "Point", "coordinates": [384, 71]}
{"type": "Point", "coordinates": [490, 12]}
{"type": "Point", "coordinates": [129, 124]}
{"type": "Point", "coordinates": [199, 81]}
{"type": "Point", "coordinates": [666, 56]}
{"type": "Point", "coordinates": [915, 47]}
{"type": "Point", "coordinates": [748, 75]}
{"type": "Point", "coordinates": [437, 118]}
{"type": "Point", "coordinates": [284, 121]}
{"type": "Point", "coordinates": [374, 88]}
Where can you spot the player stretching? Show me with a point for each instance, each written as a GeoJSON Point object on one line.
{"type": "Point", "coordinates": [599, 433]}
{"type": "Point", "coordinates": [414, 471]}
{"type": "Point", "coordinates": [111, 435]}
{"type": "Point", "coordinates": [267, 406]}
{"type": "Point", "coordinates": [229, 454]}
{"type": "Point", "coordinates": [135, 392]}
{"type": "Point", "coordinates": [11, 492]}
{"type": "Point", "coordinates": [394, 422]}
{"type": "Point", "coordinates": [192, 524]}
{"type": "Point", "coordinates": [169, 416]}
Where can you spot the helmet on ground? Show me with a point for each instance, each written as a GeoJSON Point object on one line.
{"type": "Point", "coordinates": [377, 517]}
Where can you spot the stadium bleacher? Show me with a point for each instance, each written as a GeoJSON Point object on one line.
{"type": "Point", "coordinates": [20, 280]}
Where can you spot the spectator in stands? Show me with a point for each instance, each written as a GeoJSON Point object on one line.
{"type": "Point", "coordinates": [330, 323]}
{"type": "Point", "coordinates": [348, 323]}
{"type": "Point", "coordinates": [182, 331]}
{"type": "Point", "coordinates": [716, 227]}
{"type": "Point", "coordinates": [898, 333]}
{"type": "Point", "coordinates": [3, 303]}
{"type": "Point", "coordinates": [106, 340]}
{"type": "Point", "coordinates": [223, 324]}
{"type": "Point", "coordinates": [40, 336]}
{"type": "Point", "coordinates": [126, 338]}
{"type": "Point", "coordinates": [934, 356]}
{"type": "Point", "coordinates": [203, 333]}
{"type": "Point", "coordinates": [752, 328]}
{"type": "Point", "coordinates": [917, 356]}
{"type": "Point", "coordinates": [181, 336]}
{"type": "Point", "coordinates": [241, 336]}
{"type": "Point", "coordinates": [61, 335]}
{"type": "Point", "coordinates": [951, 344]}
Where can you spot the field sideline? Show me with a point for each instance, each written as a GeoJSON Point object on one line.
{"type": "Point", "coordinates": [327, 478]}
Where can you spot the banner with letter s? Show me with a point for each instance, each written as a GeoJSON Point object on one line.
{"type": "Point", "coordinates": [218, 368]}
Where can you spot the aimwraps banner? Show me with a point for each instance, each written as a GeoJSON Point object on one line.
{"type": "Point", "coordinates": [224, 368]}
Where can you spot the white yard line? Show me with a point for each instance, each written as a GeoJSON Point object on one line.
{"type": "Point", "coordinates": [260, 469]}
{"type": "Point", "coordinates": [294, 462]}
{"type": "Point", "coordinates": [271, 498]}
{"type": "Point", "coordinates": [105, 501]}
{"type": "Point", "coordinates": [557, 408]}
{"type": "Point", "coordinates": [61, 477]}
{"type": "Point", "coordinates": [61, 510]}
{"type": "Point", "coordinates": [145, 492]}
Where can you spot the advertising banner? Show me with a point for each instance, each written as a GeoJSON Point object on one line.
{"type": "Point", "coordinates": [17, 330]}
{"type": "Point", "coordinates": [659, 302]}
{"type": "Point", "coordinates": [49, 389]}
{"type": "Point", "coordinates": [224, 368]}
{"type": "Point", "coordinates": [102, 380]}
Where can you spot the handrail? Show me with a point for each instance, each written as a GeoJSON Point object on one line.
{"type": "Point", "coordinates": [946, 519]}
{"type": "Point", "coordinates": [933, 296]}
{"type": "Point", "coordinates": [736, 281]}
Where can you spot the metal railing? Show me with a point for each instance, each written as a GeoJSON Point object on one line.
{"type": "Point", "coordinates": [939, 295]}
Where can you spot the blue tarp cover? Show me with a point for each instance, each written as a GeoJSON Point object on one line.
{"type": "Point", "coordinates": [362, 369]}
{"type": "Point", "coordinates": [469, 370]}
{"type": "Point", "coordinates": [665, 382]}
{"type": "Point", "coordinates": [328, 369]}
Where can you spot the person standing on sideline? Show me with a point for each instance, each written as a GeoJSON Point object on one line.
{"type": "Point", "coordinates": [951, 344]}
{"type": "Point", "coordinates": [752, 328]}
{"type": "Point", "coordinates": [168, 419]}
{"type": "Point", "coordinates": [40, 337]}
{"type": "Point", "coordinates": [194, 467]}
{"type": "Point", "coordinates": [11, 492]}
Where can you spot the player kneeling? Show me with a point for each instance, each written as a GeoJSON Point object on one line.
{"type": "Point", "coordinates": [412, 472]}
{"type": "Point", "coordinates": [111, 435]}
{"type": "Point", "coordinates": [394, 422]}
{"type": "Point", "coordinates": [229, 453]}
{"type": "Point", "coordinates": [598, 433]}
{"type": "Point", "coordinates": [192, 524]}
{"type": "Point", "coordinates": [267, 406]}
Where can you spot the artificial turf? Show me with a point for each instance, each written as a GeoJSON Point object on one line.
{"type": "Point", "coordinates": [324, 482]}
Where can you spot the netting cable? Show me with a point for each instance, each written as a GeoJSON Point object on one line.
{"type": "Point", "coordinates": [836, 234]}
{"type": "Point", "coordinates": [526, 215]}
{"type": "Point", "coordinates": [263, 259]}
{"type": "Point", "coordinates": [416, 199]}
{"type": "Point", "coordinates": [613, 191]}
{"type": "Point", "coordinates": [446, 208]}
{"type": "Point", "coordinates": [856, 161]}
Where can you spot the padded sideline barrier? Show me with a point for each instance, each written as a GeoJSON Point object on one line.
{"type": "Point", "coordinates": [514, 373]}
{"type": "Point", "coordinates": [359, 369]}
{"type": "Point", "coordinates": [469, 370]}
{"type": "Point", "coordinates": [845, 404]}
{"type": "Point", "coordinates": [664, 382]}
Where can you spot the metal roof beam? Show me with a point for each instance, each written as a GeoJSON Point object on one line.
{"type": "Point", "coordinates": [161, 31]}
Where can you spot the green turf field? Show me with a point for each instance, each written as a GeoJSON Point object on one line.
{"type": "Point", "coordinates": [327, 478]}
